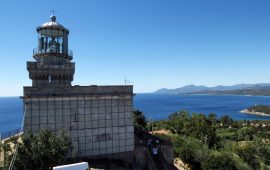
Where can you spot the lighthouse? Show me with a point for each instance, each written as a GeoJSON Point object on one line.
{"type": "Point", "coordinates": [53, 66]}
{"type": "Point", "coordinates": [98, 119]}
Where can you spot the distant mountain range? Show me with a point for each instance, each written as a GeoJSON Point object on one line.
{"type": "Point", "coordinates": [238, 89]}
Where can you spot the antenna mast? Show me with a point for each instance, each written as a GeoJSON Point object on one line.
{"type": "Point", "coordinates": [53, 11]}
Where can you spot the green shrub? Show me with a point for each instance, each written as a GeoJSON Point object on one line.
{"type": "Point", "coordinates": [219, 160]}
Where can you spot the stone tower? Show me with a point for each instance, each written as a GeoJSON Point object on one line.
{"type": "Point", "coordinates": [98, 119]}
{"type": "Point", "coordinates": [53, 66]}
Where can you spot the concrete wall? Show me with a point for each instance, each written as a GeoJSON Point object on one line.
{"type": "Point", "coordinates": [98, 119]}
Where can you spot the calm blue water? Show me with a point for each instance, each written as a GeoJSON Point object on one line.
{"type": "Point", "coordinates": [155, 106]}
{"type": "Point", "coordinates": [11, 113]}
{"type": "Point", "coordinates": [159, 106]}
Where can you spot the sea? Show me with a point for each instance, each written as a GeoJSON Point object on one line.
{"type": "Point", "coordinates": [156, 107]}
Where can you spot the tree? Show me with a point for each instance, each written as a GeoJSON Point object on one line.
{"type": "Point", "coordinates": [200, 127]}
{"type": "Point", "coordinates": [212, 117]}
{"type": "Point", "coordinates": [263, 149]}
{"type": "Point", "coordinates": [190, 150]}
{"type": "Point", "coordinates": [41, 151]}
{"type": "Point", "coordinates": [139, 120]}
{"type": "Point", "coordinates": [219, 160]}
{"type": "Point", "coordinates": [178, 122]}
{"type": "Point", "coordinates": [264, 153]}
{"type": "Point", "coordinates": [245, 133]}
{"type": "Point", "coordinates": [226, 121]}
{"type": "Point", "coordinates": [248, 153]}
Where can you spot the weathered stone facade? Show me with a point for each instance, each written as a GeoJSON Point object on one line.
{"type": "Point", "coordinates": [97, 118]}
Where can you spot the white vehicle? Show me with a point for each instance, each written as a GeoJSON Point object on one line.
{"type": "Point", "coordinates": [77, 166]}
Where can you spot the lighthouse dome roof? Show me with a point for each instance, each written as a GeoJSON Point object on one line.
{"type": "Point", "coordinates": [58, 28]}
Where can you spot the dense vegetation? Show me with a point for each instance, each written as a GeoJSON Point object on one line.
{"type": "Point", "coordinates": [139, 120]}
{"type": "Point", "coordinates": [207, 142]}
{"type": "Point", "coordinates": [41, 151]}
{"type": "Point", "coordinates": [260, 108]}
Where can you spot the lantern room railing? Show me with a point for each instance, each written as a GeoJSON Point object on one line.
{"type": "Point", "coordinates": [37, 51]}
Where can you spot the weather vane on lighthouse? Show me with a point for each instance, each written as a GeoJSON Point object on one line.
{"type": "Point", "coordinates": [53, 11]}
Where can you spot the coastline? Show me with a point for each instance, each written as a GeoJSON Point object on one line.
{"type": "Point", "coordinates": [246, 111]}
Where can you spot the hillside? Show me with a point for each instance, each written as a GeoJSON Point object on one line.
{"type": "Point", "coordinates": [207, 142]}
{"type": "Point", "coordinates": [262, 89]}
{"type": "Point", "coordinates": [260, 108]}
{"type": "Point", "coordinates": [253, 92]}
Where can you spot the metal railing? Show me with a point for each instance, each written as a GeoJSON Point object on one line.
{"type": "Point", "coordinates": [47, 51]}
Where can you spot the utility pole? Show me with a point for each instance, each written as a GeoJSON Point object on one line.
{"type": "Point", "coordinates": [152, 125]}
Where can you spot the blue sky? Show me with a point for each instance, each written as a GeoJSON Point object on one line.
{"type": "Point", "coordinates": [154, 43]}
